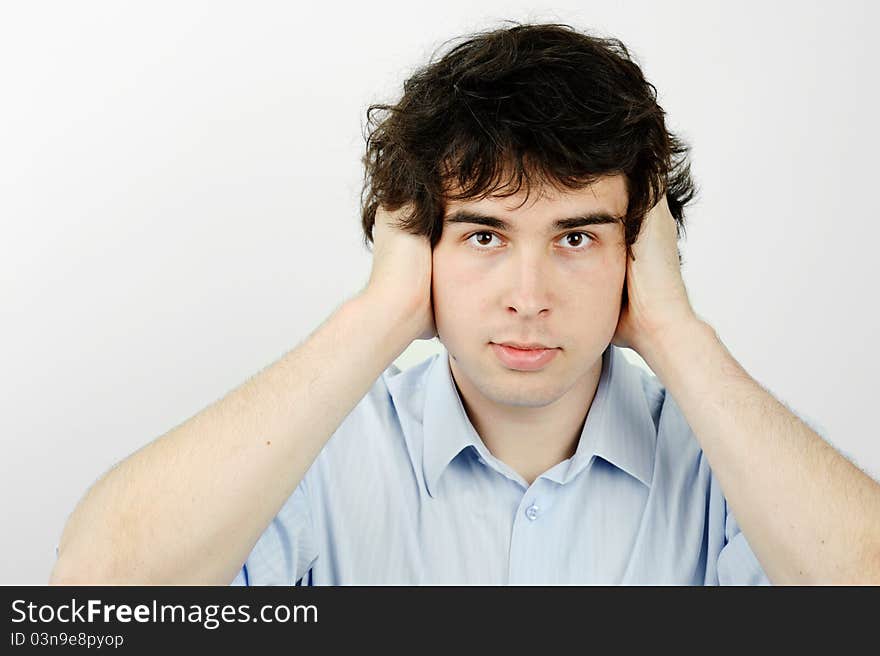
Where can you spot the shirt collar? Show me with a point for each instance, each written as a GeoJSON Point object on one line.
{"type": "Point", "coordinates": [619, 427]}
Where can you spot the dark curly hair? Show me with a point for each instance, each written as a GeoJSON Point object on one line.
{"type": "Point", "coordinates": [544, 103]}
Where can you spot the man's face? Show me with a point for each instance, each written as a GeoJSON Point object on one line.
{"type": "Point", "coordinates": [533, 282]}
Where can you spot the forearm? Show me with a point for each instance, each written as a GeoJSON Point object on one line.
{"type": "Point", "coordinates": [809, 514]}
{"type": "Point", "coordinates": [189, 507]}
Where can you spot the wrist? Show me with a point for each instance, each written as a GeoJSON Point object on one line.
{"type": "Point", "coordinates": [668, 339]}
{"type": "Point", "coordinates": [390, 309]}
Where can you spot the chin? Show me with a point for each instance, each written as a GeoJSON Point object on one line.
{"type": "Point", "coordinates": [511, 387]}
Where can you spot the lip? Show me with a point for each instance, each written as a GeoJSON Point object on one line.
{"type": "Point", "coordinates": [524, 359]}
{"type": "Point", "coordinates": [526, 346]}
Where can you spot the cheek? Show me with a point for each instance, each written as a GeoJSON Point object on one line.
{"type": "Point", "coordinates": [452, 265]}
{"type": "Point", "coordinates": [454, 273]}
{"type": "Point", "coordinates": [593, 303]}
{"type": "Point", "coordinates": [597, 290]}
{"type": "Point", "coordinates": [452, 286]}
{"type": "Point", "coordinates": [614, 274]}
{"type": "Point", "coordinates": [609, 270]}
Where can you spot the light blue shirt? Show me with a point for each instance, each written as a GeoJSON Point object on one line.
{"type": "Point", "coordinates": [406, 492]}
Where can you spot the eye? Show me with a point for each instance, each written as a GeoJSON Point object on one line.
{"type": "Point", "coordinates": [469, 239]}
{"type": "Point", "coordinates": [585, 238]}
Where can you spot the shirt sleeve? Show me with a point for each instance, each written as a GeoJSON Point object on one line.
{"type": "Point", "coordinates": [286, 550]}
{"type": "Point", "coordinates": [737, 564]}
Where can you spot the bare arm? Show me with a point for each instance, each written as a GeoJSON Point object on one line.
{"type": "Point", "coordinates": [189, 507]}
{"type": "Point", "coordinates": [809, 514]}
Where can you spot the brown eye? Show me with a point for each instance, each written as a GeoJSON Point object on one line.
{"type": "Point", "coordinates": [579, 244]}
{"type": "Point", "coordinates": [483, 238]}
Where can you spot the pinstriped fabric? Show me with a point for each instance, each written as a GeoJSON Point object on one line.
{"type": "Point", "coordinates": [406, 492]}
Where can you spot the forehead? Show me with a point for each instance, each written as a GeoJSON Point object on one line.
{"type": "Point", "coordinates": [543, 206]}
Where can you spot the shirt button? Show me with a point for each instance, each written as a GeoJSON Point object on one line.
{"type": "Point", "coordinates": [532, 512]}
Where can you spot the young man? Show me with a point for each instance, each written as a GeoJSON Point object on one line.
{"type": "Point", "coordinates": [558, 462]}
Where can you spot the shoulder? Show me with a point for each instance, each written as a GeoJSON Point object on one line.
{"type": "Point", "coordinates": [685, 479]}
{"type": "Point", "coordinates": [668, 419]}
{"type": "Point", "coordinates": [380, 423]}
{"type": "Point", "coordinates": [678, 453]}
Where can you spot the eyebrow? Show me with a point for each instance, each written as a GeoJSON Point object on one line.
{"type": "Point", "coordinates": [591, 218]}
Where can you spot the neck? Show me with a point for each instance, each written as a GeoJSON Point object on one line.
{"type": "Point", "coordinates": [530, 440]}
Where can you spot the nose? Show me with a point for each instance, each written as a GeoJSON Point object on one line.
{"type": "Point", "coordinates": [530, 288]}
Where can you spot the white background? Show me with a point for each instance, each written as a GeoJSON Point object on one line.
{"type": "Point", "coordinates": [179, 190]}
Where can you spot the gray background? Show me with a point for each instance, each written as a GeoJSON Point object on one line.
{"type": "Point", "coordinates": [179, 187]}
